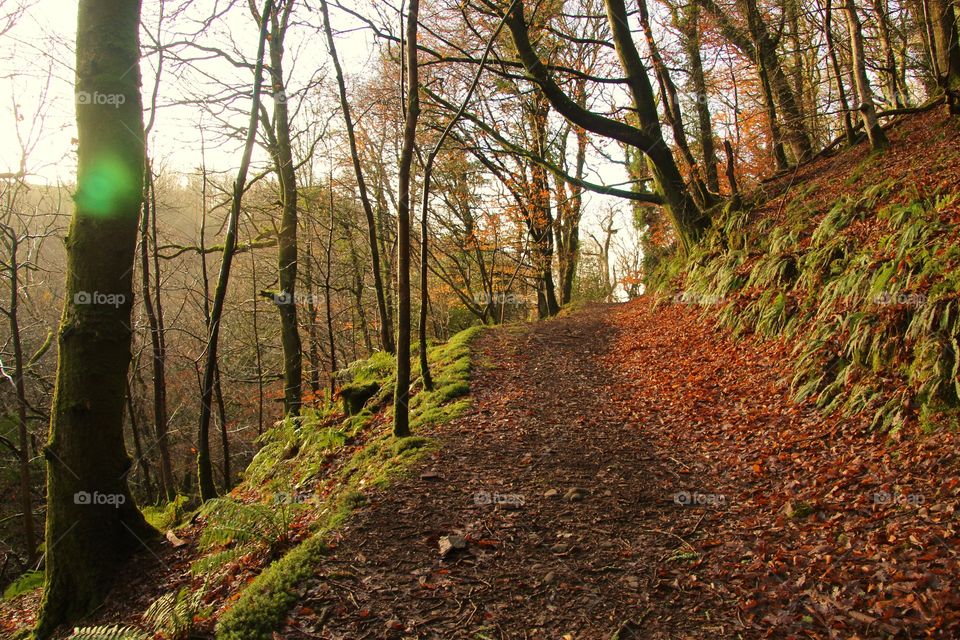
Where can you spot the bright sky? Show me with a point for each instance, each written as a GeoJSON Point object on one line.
{"type": "Point", "coordinates": [37, 93]}
{"type": "Point", "coordinates": [37, 78]}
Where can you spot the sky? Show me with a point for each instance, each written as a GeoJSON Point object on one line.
{"type": "Point", "coordinates": [37, 92]}
{"type": "Point", "coordinates": [37, 86]}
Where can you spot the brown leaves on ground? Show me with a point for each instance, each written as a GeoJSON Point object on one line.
{"type": "Point", "coordinates": [630, 468]}
{"type": "Point", "coordinates": [709, 505]}
{"type": "Point", "coordinates": [828, 530]}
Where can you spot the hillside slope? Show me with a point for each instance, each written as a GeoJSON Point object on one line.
{"type": "Point", "coordinates": [854, 261]}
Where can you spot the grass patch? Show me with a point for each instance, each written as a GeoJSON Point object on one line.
{"type": "Point", "coordinates": [168, 515]}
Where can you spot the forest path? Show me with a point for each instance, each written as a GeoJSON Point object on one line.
{"type": "Point", "coordinates": [712, 505]}
{"type": "Point", "coordinates": [556, 410]}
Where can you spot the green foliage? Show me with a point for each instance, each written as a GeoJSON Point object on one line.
{"type": "Point", "coordinates": [263, 605]}
{"type": "Point", "coordinates": [875, 324]}
{"type": "Point", "coordinates": [217, 561]}
{"type": "Point", "coordinates": [174, 614]}
{"type": "Point", "coordinates": [168, 515]}
{"type": "Point", "coordinates": [293, 451]}
{"type": "Point", "coordinates": [375, 369]}
{"type": "Point", "coordinates": [265, 602]}
{"type": "Point", "coordinates": [114, 632]}
{"type": "Point", "coordinates": [24, 584]}
{"type": "Point", "coordinates": [410, 443]}
{"type": "Point", "coordinates": [230, 522]}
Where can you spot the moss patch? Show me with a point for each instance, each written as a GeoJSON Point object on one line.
{"type": "Point", "coordinates": [295, 455]}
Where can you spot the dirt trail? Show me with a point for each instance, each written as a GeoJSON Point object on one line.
{"type": "Point", "coordinates": [630, 468]}
{"type": "Point", "coordinates": [712, 506]}
{"type": "Point", "coordinates": [543, 560]}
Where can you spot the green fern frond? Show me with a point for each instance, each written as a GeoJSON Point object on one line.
{"type": "Point", "coordinates": [114, 632]}
{"type": "Point", "coordinates": [173, 614]}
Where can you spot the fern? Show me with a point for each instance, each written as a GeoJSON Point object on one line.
{"type": "Point", "coordinates": [173, 614]}
{"type": "Point", "coordinates": [216, 561]}
{"type": "Point", "coordinates": [229, 522]}
{"type": "Point", "coordinates": [115, 632]}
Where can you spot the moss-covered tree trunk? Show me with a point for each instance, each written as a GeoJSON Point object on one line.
{"type": "Point", "coordinates": [287, 240]}
{"type": "Point", "coordinates": [93, 525]}
{"type": "Point", "coordinates": [689, 23]}
{"type": "Point", "coordinates": [943, 19]}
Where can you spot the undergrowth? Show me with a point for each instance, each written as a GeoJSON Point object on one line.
{"type": "Point", "coordinates": [866, 292]}
{"type": "Point", "coordinates": [326, 461]}
{"type": "Point", "coordinates": [309, 474]}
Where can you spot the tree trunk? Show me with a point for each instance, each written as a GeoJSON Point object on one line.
{"type": "Point", "coordinates": [93, 524]}
{"type": "Point", "coordinates": [868, 112]}
{"type": "Point", "coordinates": [943, 21]}
{"type": "Point", "coordinates": [204, 471]}
{"type": "Point", "coordinates": [386, 325]}
{"type": "Point", "coordinates": [157, 344]}
{"type": "Point", "coordinates": [672, 111]}
{"type": "Point", "coordinates": [358, 288]}
{"type": "Point", "coordinates": [401, 411]}
{"type": "Point", "coordinates": [224, 434]}
{"type": "Point", "coordinates": [569, 211]}
{"type": "Point", "coordinates": [690, 29]}
{"type": "Point", "coordinates": [424, 291]}
{"type": "Point", "coordinates": [797, 135]}
{"type": "Point", "coordinates": [838, 74]}
{"type": "Point", "coordinates": [326, 295]}
{"type": "Point", "coordinates": [313, 353]}
{"type": "Point", "coordinates": [731, 170]}
{"type": "Point", "coordinates": [538, 208]}
{"type": "Point", "coordinates": [759, 45]}
{"type": "Point", "coordinates": [287, 238]}
{"type": "Point", "coordinates": [26, 489]}
{"type": "Point", "coordinates": [138, 447]}
{"type": "Point", "coordinates": [688, 220]}
{"type": "Point", "coordinates": [218, 389]}
{"type": "Point", "coordinates": [891, 87]}
{"type": "Point", "coordinates": [687, 216]}
{"type": "Point", "coordinates": [256, 340]}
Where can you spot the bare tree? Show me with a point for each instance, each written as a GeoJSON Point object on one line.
{"type": "Point", "coordinates": [207, 488]}
{"type": "Point", "coordinates": [401, 409]}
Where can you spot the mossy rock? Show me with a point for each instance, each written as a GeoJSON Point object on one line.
{"type": "Point", "coordinates": [355, 396]}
